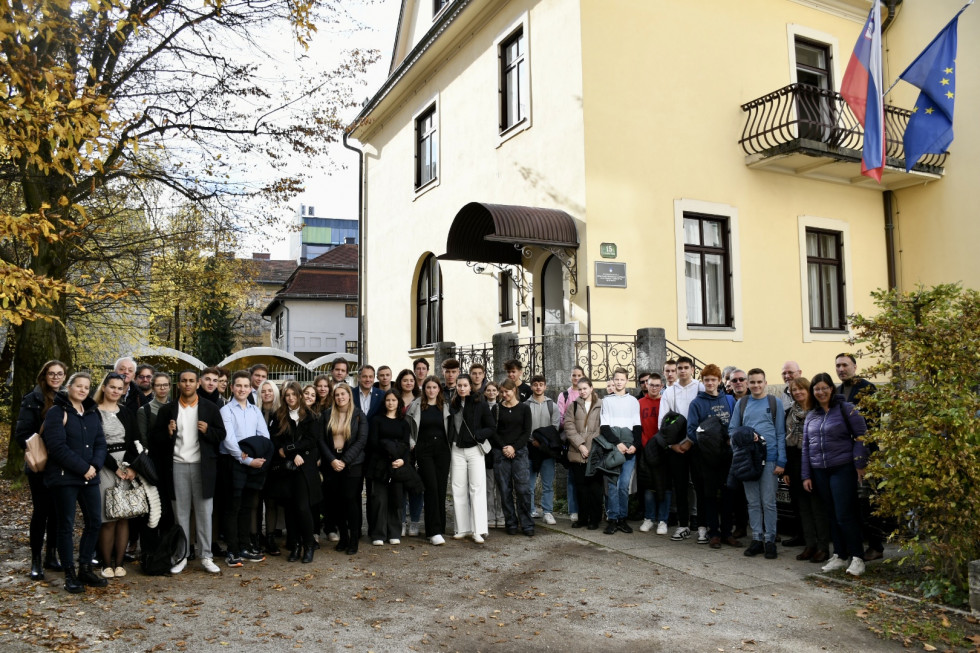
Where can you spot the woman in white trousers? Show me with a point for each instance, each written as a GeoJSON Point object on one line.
{"type": "Point", "coordinates": [470, 425]}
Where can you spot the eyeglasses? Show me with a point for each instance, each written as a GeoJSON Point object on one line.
{"type": "Point", "coordinates": [741, 380]}
{"type": "Point", "coordinates": [56, 375]}
{"type": "Point", "coordinates": [145, 376]}
{"type": "Point", "coordinates": [161, 385]}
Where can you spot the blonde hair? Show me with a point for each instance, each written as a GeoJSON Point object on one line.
{"type": "Point", "coordinates": [276, 402]}
{"type": "Point", "coordinates": [339, 423]}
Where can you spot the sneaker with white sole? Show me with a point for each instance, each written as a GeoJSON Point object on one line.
{"type": "Point", "coordinates": [461, 535]}
{"type": "Point", "coordinates": [233, 560]}
{"type": "Point", "coordinates": [333, 536]}
{"type": "Point", "coordinates": [662, 528]}
{"type": "Point", "coordinates": [119, 572]}
{"type": "Point", "coordinates": [413, 529]}
{"type": "Point", "coordinates": [646, 526]}
{"type": "Point", "coordinates": [682, 533]}
{"type": "Point", "coordinates": [856, 568]}
{"type": "Point", "coordinates": [834, 564]}
{"type": "Point", "coordinates": [179, 567]}
{"type": "Point", "coordinates": [394, 540]}
{"type": "Point", "coordinates": [535, 514]}
{"type": "Point", "coordinates": [377, 542]}
{"type": "Point", "coordinates": [549, 519]}
{"type": "Point", "coordinates": [573, 516]}
{"type": "Point", "coordinates": [477, 538]}
{"type": "Point", "coordinates": [209, 566]}
{"type": "Point", "coordinates": [437, 540]}
{"type": "Point", "coordinates": [702, 535]}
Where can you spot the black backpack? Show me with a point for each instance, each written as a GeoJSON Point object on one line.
{"type": "Point", "coordinates": [163, 552]}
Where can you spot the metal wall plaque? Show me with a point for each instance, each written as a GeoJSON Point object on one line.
{"type": "Point", "coordinates": [610, 275]}
{"type": "Point", "coordinates": [607, 250]}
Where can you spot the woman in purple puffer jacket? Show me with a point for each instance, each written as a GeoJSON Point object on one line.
{"type": "Point", "coordinates": [833, 461]}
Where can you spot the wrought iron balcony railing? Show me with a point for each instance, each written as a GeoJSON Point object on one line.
{"type": "Point", "coordinates": [800, 116]}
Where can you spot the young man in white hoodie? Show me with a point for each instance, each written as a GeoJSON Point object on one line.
{"type": "Point", "coordinates": [677, 398]}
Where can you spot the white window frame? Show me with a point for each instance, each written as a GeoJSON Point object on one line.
{"type": "Point", "coordinates": [431, 103]}
{"type": "Point", "coordinates": [733, 333]}
{"type": "Point", "coordinates": [805, 222]}
{"type": "Point", "coordinates": [521, 23]}
{"type": "Point", "coordinates": [802, 31]}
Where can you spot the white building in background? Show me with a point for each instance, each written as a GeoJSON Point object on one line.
{"type": "Point", "coordinates": [313, 235]}
{"type": "Point", "coordinates": [315, 311]}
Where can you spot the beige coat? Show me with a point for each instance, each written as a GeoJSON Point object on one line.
{"type": "Point", "coordinates": [581, 428]}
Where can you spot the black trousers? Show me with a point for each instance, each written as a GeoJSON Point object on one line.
{"type": "Point", "coordinates": [43, 517]}
{"type": "Point", "coordinates": [589, 491]}
{"type": "Point", "coordinates": [384, 507]}
{"type": "Point", "coordinates": [238, 519]}
{"type": "Point", "coordinates": [299, 513]}
{"type": "Point", "coordinates": [342, 501]}
{"type": "Point", "coordinates": [433, 464]}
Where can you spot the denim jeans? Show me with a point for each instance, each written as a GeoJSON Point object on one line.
{"type": "Point", "coordinates": [547, 474]}
{"type": "Point", "coordinates": [570, 493]}
{"type": "Point", "coordinates": [618, 492]}
{"type": "Point", "coordinates": [656, 511]}
{"type": "Point", "coordinates": [88, 498]}
{"type": "Point", "coordinates": [761, 496]}
{"type": "Point", "coordinates": [513, 478]}
{"type": "Point", "coordinates": [838, 489]}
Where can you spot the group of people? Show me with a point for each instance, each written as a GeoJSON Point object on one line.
{"type": "Point", "coordinates": [305, 456]}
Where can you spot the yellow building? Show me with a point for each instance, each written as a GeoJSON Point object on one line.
{"type": "Point", "coordinates": [620, 164]}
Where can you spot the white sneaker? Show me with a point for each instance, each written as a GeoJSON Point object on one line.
{"type": "Point", "coordinates": [682, 533]}
{"type": "Point", "coordinates": [477, 538]}
{"type": "Point", "coordinates": [108, 573]}
{"type": "Point", "coordinates": [177, 568]}
{"type": "Point", "coordinates": [413, 529]}
{"type": "Point", "coordinates": [333, 536]}
{"type": "Point", "coordinates": [856, 567]}
{"type": "Point", "coordinates": [394, 540]}
{"type": "Point", "coordinates": [646, 526]}
{"type": "Point", "coordinates": [662, 528]}
{"type": "Point", "coordinates": [573, 516]}
{"type": "Point", "coordinates": [549, 519]}
{"type": "Point", "coordinates": [461, 535]}
{"type": "Point", "coordinates": [437, 540]}
{"type": "Point", "coordinates": [209, 566]}
{"type": "Point", "coordinates": [535, 514]}
{"type": "Point", "coordinates": [702, 535]}
{"type": "Point", "coordinates": [377, 542]}
{"type": "Point", "coordinates": [834, 564]}
{"type": "Point", "coordinates": [119, 572]}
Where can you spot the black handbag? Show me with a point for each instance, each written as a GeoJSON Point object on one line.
{"type": "Point", "coordinates": [145, 467]}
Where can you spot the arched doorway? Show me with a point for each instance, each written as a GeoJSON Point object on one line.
{"type": "Point", "coordinates": [552, 292]}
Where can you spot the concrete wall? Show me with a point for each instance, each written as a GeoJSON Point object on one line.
{"type": "Point", "coordinates": [314, 328]}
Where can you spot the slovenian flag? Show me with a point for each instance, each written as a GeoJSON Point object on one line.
{"type": "Point", "coordinates": [862, 90]}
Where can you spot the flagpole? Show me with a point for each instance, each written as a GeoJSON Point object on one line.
{"type": "Point", "coordinates": [895, 83]}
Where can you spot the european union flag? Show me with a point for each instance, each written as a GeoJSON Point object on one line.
{"type": "Point", "coordinates": [930, 129]}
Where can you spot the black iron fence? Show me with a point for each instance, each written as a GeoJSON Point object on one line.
{"type": "Point", "coordinates": [600, 354]}
{"type": "Point", "coordinates": [674, 352]}
{"type": "Point", "coordinates": [800, 111]}
{"type": "Point", "coordinates": [530, 352]}
{"type": "Point", "coordinates": [482, 353]}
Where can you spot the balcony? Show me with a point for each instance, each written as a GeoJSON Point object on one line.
{"type": "Point", "coordinates": [809, 132]}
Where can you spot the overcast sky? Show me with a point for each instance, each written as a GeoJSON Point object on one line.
{"type": "Point", "coordinates": [335, 194]}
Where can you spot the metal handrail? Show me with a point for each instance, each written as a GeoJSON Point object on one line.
{"type": "Point", "coordinates": [800, 112]}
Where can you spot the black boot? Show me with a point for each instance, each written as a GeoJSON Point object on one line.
{"type": "Point", "coordinates": [37, 568]}
{"type": "Point", "coordinates": [72, 585]}
{"type": "Point", "coordinates": [51, 560]}
{"type": "Point", "coordinates": [271, 547]}
{"type": "Point", "coordinates": [89, 577]}
{"type": "Point", "coordinates": [307, 555]}
{"type": "Point", "coordinates": [294, 554]}
{"type": "Point", "coordinates": [352, 542]}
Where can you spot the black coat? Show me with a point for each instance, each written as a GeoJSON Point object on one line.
{"type": "Point", "coordinates": [298, 439]}
{"type": "Point", "coordinates": [480, 422]}
{"type": "Point", "coordinates": [384, 449]}
{"type": "Point", "coordinates": [29, 419]}
{"type": "Point", "coordinates": [162, 445]}
{"type": "Point", "coordinates": [74, 443]}
{"type": "Point", "coordinates": [353, 453]}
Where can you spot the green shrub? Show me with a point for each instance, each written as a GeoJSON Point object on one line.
{"type": "Point", "coordinates": [927, 347]}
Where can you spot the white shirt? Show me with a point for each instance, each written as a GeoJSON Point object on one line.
{"type": "Point", "coordinates": [678, 398]}
{"type": "Point", "coordinates": [187, 449]}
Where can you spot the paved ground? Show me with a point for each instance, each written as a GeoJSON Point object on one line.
{"type": "Point", "coordinates": [567, 590]}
